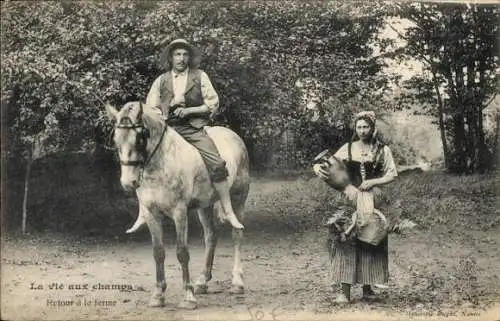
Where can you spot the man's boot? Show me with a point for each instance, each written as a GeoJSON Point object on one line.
{"type": "Point", "coordinates": [222, 189]}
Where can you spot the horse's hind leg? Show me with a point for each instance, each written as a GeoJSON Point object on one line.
{"type": "Point", "coordinates": [206, 217]}
{"type": "Point", "coordinates": [181, 228]}
{"type": "Point", "coordinates": [156, 230]}
{"type": "Point", "coordinates": [238, 286]}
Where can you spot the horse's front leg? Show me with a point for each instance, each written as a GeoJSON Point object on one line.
{"type": "Point", "coordinates": [237, 286]}
{"type": "Point", "coordinates": [181, 228]}
{"type": "Point", "coordinates": [210, 236]}
{"type": "Point", "coordinates": [154, 223]}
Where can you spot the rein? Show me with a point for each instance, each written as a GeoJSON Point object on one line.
{"type": "Point", "coordinates": [157, 146]}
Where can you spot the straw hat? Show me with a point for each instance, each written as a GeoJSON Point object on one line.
{"type": "Point", "coordinates": [166, 54]}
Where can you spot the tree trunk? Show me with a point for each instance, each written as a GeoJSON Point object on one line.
{"type": "Point", "coordinates": [465, 104]}
{"type": "Point", "coordinates": [496, 151]}
{"type": "Point", "coordinates": [471, 136]}
{"type": "Point", "coordinates": [474, 103]}
{"type": "Point", "coordinates": [459, 159]}
{"type": "Point", "coordinates": [484, 160]}
{"type": "Point", "coordinates": [29, 162]}
{"type": "Point", "coordinates": [442, 129]}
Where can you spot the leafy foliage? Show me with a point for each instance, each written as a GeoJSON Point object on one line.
{"type": "Point", "coordinates": [73, 56]}
{"type": "Point", "coordinates": [458, 45]}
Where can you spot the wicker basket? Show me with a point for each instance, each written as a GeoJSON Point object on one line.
{"type": "Point", "coordinates": [374, 228]}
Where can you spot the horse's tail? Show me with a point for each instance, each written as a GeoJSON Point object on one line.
{"type": "Point", "coordinates": [138, 223]}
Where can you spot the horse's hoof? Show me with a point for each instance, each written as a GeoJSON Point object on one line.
{"type": "Point", "coordinates": [188, 305]}
{"type": "Point", "coordinates": [234, 222]}
{"type": "Point", "coordinates": [237, 226]}
{"type": "Point", "coordinates": [200, 289]}
{"type": "Point", "coordinates": [237, 289]}
{"type": "Point", "coordinates": [156, 302]}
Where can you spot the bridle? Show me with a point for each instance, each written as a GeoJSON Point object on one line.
{"type": "Point", "coordinates": [141, 144]}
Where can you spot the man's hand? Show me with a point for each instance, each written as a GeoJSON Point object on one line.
{"type": "Point", "coordinates": [320, 171]}
{"type": "Point", "coordinates": [181, 112]}
{"type": "Point", "coordinates": [366, 185]}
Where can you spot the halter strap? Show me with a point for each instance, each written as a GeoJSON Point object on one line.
{"type": "Point", "coordinates": [132, 163]}
{"type": "Point", "coordinates": [131, 125]}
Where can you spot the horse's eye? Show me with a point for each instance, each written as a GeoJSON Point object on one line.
{"type": "Point", "coordinates": [141, 139]}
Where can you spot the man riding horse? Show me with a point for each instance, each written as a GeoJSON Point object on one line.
{"type": "Point", "coordinates": [186, 98]}
{"type": "Point", "coordinates": [181, 171]}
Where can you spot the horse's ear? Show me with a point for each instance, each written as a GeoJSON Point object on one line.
{"type": "Point", "coordinates": [111, 111]}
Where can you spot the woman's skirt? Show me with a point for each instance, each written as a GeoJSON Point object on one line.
{"type": "Point", "coordinates": [355, 261]}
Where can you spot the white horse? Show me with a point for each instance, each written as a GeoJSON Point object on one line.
{"type": "Point", "coordinates": [170, 179]}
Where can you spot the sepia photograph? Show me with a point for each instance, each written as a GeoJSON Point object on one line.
{"type": "Point", "coordinates": [250, 160]}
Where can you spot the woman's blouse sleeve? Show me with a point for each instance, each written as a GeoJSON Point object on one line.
{"type": "Point", "coordinates": [389, 164]}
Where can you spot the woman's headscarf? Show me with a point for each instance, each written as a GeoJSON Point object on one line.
{"type": "Point", "coordinates": [370, 114]}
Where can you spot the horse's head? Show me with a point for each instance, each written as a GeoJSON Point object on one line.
{"type": "Point", "coordinates": [131, 139]}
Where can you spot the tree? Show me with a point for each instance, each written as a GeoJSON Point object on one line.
{"type": "Point", "coordinates": [458, 45]}
{"type": "Point", "coordinates": [74, 55]}
{"type": "Point", "coordinates": [56, 73]}
{"type": "Point", "coordinates": [255, 52]}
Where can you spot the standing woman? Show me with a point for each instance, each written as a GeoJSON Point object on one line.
{"type": "Point", "coordinates": [369, 164]}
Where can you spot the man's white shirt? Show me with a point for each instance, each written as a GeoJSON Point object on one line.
{"type": "Point", "coordinates": [179, 83]}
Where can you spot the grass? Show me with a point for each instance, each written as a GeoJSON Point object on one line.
{"type": "Point", "coordinates": [449, 260]}
{"type": "Point", "coordinates": [456, 203]}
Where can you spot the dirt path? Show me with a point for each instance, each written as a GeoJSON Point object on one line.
{"type": "Point", "coordinates": [286, 278]}
{"type": "Point", "coordinates": [433, 275]}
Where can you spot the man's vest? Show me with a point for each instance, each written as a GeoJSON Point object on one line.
{"type": "Point", "coordinates": [192, 95]}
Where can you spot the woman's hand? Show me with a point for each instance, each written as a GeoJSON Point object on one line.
{"type": "Point", "coordinates": [320, 171]}
{"type": "Point", "coordinates": [366, 185]}
{"type": "Point", "coordinates": [351, 193]}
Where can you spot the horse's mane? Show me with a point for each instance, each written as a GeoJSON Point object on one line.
{"type": "Point", "coordinates": [152, 120]}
